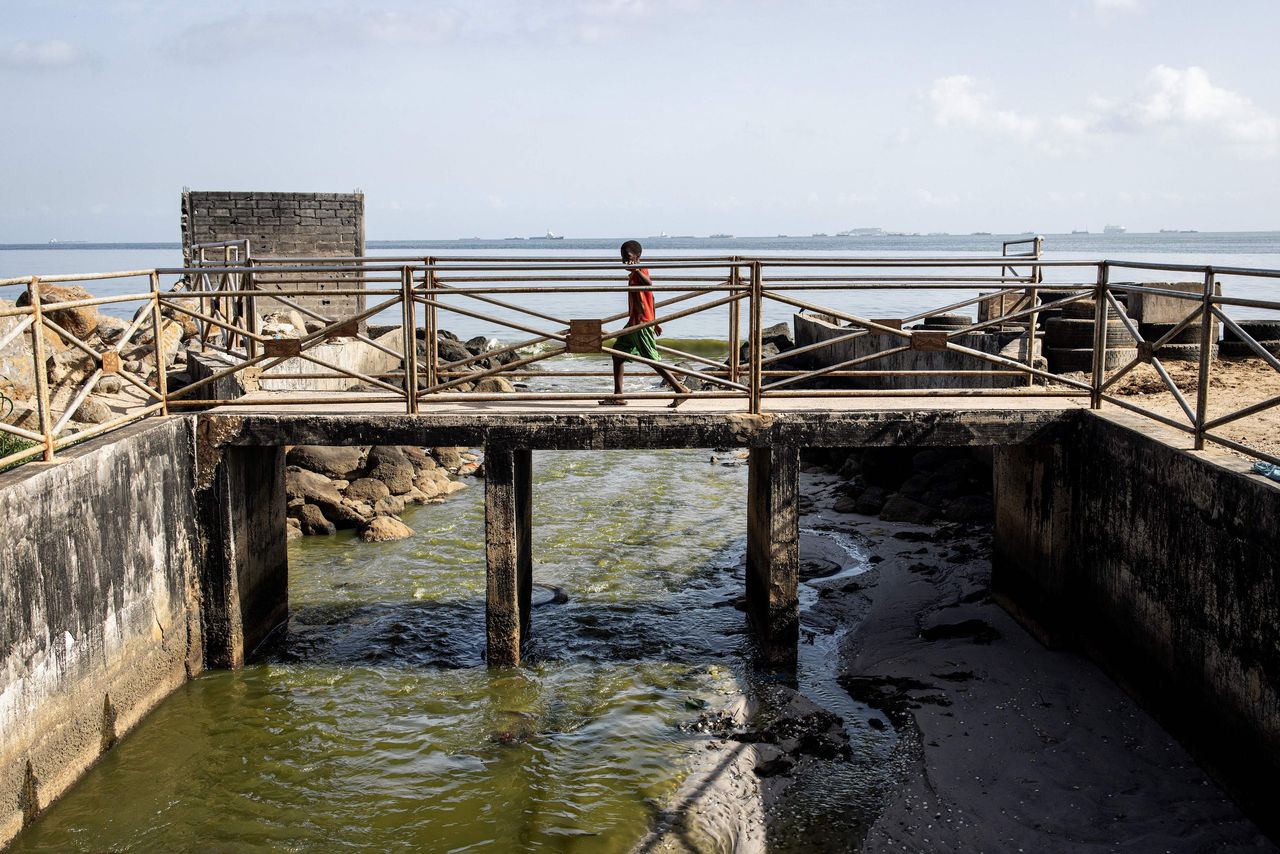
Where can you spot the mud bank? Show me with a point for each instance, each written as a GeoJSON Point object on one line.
{"type": "Point", "coordinates": [1005, 745]}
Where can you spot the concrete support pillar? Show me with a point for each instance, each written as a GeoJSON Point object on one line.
{"type": "Point", "coordinates": [508, 492]}
{"type": "Point", "coordinates": [773, 551]}
{"type": "Point", "coordinates": [245, 577]}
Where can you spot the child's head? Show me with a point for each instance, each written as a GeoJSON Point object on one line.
{"type": "Point", "coordinates": [631, 251]}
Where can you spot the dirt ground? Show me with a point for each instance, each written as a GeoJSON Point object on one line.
{"type": "Point", "coordinates": [1233, 385]}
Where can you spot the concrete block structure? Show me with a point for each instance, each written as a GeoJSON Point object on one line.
{"type": "Point", "coordinates": [282, 225]}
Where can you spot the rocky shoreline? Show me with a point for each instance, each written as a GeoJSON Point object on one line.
{"type": "Point", "coordinates": [367, 487]}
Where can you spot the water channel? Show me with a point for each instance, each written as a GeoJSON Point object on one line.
{"type": "Point", "coordinates": [373, 723]}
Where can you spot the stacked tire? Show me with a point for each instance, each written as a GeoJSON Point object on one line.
{"type": "Point", "coordinates": [946, 322]}
{"type": "Point", "coordinates": [1183, 347]}
{"type": "Point", "coordinates": [1069, 339]}
{"type": "Point", "coordinates": [1265, 332]}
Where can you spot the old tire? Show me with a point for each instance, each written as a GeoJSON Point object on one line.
{"type": "Point", "coordinates": [1241, 350]}
{"type": "Point", "coordinates": [1182, 353]}
{"type": "Point", "coordinates": [1260, 330]}
{"type": "Point", "coordinates": [1070, 333]}
{"type": "Point", "coordinates": [1153, 331]}
{"type": "Point", "coordinates": [1077, 359]}
{"type": "Point", "coordinates": [1085, 309]}
{"type": "Point", "coordinates": [947, 321]}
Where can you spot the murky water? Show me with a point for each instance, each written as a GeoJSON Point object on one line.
{"type": "Point", "coordinates": [374, 724]}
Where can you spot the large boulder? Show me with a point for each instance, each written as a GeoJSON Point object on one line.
{"type": "Point", "coordinates": [383, 528]}
{"type": "Point", "coordinates": [311, 487]}
{"type": "Point", "coordinates": [390, 465]}
{"type": "Point", "coordinates": [451, 351]}
{"type": "Point", "coordinates": [367, 489]}
{"type": "Point", "coordinates": [313, 521]}
{"type": "Point", "coordinates": [450, 458]}
{"type": "Point", "coordinates": [494, 385]}
{"type": "Point", "coordinates": [339, 462]}
{"type": "Point", "coordinates": [900, 508]}
{"type": "Point", "coordinates": [93, 411]}
{"type": "Point", "coordinates": [80, 321]}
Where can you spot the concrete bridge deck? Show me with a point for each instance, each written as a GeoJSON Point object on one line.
{"type": "Point", "coordinates": [576, 424]}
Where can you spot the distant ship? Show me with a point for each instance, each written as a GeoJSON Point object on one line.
{"type": "Point", "coordinates": [1114, 229]}
{"type": "Point", "coordinates": [549, 236]}
{"type": "Point", "coordinates": [817, 234]}
{"type": "Point", "coordinates": [721, 236]}
{"type": "Point", "coordinates": [861, 232]}
{"type": "Point", "coordinates": [1178, 231]}
{"type": "Point", "coordinates": [662, 235]}
{"type": "Point", "coordinates": [513, 238]}
{"type": "Point", "coordinates": [1079, 231]}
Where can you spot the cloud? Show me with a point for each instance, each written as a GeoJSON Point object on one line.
{"type": "Point", "coordinates": [957, 101]}
{"type": "Point", "coordinates": [1174, 102]}
{"type": "Point", "coordinates": [54, 53]}
{"type": "Point", "coordinates": [1187, 98]}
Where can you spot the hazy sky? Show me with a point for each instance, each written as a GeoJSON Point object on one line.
{"type": "Point", "coordinates": [610, 117]}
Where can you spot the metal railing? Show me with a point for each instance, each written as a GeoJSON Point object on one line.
{"type": "Point", "coordinates": [226, 292]}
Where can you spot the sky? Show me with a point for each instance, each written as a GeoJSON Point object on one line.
{"type": "Point", "coordinates": [615, 117]}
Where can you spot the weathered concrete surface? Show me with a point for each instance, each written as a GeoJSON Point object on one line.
{"type": "Point", "coordinates": [836, 425]}
{"type": "Point", "coordinates": [773, 551]}
{"type": "Point", "coordinates": [98, 603]}
{"type": "Point", "coordinates": [1162, 564]}
{"type": "Point", "coordinates": [811, 329]}
{"type": "Point", "coordinates": [508, 493]}
{"type": "Point", "coordinates": [245, 576]}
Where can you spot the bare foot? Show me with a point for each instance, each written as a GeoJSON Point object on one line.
{"type": "Point", "coordinates": [613, 400]}
{"type": "Point", "coordinates": [680, 389]}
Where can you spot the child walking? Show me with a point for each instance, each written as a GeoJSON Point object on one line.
{"type": "Point", "coordinates": [639, 342]}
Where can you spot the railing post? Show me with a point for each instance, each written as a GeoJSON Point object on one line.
{"type": "Point", "coordinates": [735, 322]}
{"type": "Point", "coordinates": [1099, 336]}
{"type": "Point", "coordinates": [431, 331]}
{"type": "Point", "coordinates": [42, 370]}
{"type": "Point", "coordinates": [757, 321]}
{"type": "Point", "coordinates": [246, 284]}
{"type": "Point", "coordinates": [409, 328]}
{"type": "Point", "coordinates": [1206, 334]}
{"type": "Point", "coordinates": [157, 324]}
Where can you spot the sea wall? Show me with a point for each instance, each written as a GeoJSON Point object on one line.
{"type": "Point", "coordinates": [1163, 566]}
{"type": "Point", "coordinates": [99, 605]}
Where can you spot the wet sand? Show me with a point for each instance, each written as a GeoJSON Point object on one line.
{"type": "Point", "coordinates": [1012, 746]}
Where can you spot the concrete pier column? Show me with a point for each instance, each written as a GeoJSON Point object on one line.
{"type": "Point", "coordinates": [508, 492]}
{"type": "Point", "coordinates": [245, 578]}
{"type": "Point", "coordinates": [773, 551]}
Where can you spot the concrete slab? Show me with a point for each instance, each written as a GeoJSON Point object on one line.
{"type": "Point", "coordinates": [879, 420]}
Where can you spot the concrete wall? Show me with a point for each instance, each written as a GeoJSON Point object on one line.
{"type": "Point", "coordinates": [98, 603]}
{"type": "Point", "coordinates": [1164, 566]}
{"type": "Point", "coordinates": [326, 225]}
{"type": "Point", "coordinates": [811, 329]}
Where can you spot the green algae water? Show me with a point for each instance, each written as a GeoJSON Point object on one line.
{"type": "Point", "coordinates": [373, 724]}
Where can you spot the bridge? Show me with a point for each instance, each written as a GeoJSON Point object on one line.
{"type": "Point", "coordinates": [881, 366]}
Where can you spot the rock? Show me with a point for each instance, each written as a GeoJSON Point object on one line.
{"type": "Point", "coordinates": [477, 345]}
{"type": "Point", "coordinates": [451, 351]}
{"type": "Point", "coordinates": [339, 462]}
{"type": "Point", "coordinates": [170, 341]}
{"type": "Point", "coordinates": [771, 761]}
{"type": "Point", "coordinates": [431, 483]}
{"type": "Point", "coordinates": [779, 335]}
{"type": "Point", "coordinates": [871, 501]}
{"type": "Point", "coordinates": [494, 385]}
{"type": "Point", "coordinates": [111, 384]}
{"type": "Point", "coordinates": [80, 321]}
{"type": "Point", "coordinates": [970, 508]}
{"type": "Point", "coordinates": [797, 725]}
{"type": "Point", "coordinates": [414, 496]}
{"type": "Point", "coordinates": [389, 464]}
{"type": "Point", "coordinates": [366, 489]}
{"type": "Point", "coordinates": [450, 458]}
{"type": "Point", "coordinates": [417, 457]}
{"type": "Point", "coordinates": [110, 329]}
{"type": "Point", "coordinates": [94, 411]}
{"type": "Point", "coordinates": [845, 504]}
{"type": "Point", "coordinates": [383, 528]}
{"type": "Point", "coordinates": [292, 529]}
{"type": "Point", "coordinates": [283, 324]}
{"type": "Point", "coordinates": [900, 508]}
{"type": "Point", "coordinates": [311, 487]}
{"type": "Point", "coordinates": [349, 514]}
{"type": "Point", "coordinates": [313, 521]}
{"type": "Point", "coordinates": [390, 505]}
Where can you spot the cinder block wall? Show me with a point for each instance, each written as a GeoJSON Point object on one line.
{"type": "Point", "coordinates": [325, 225]}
